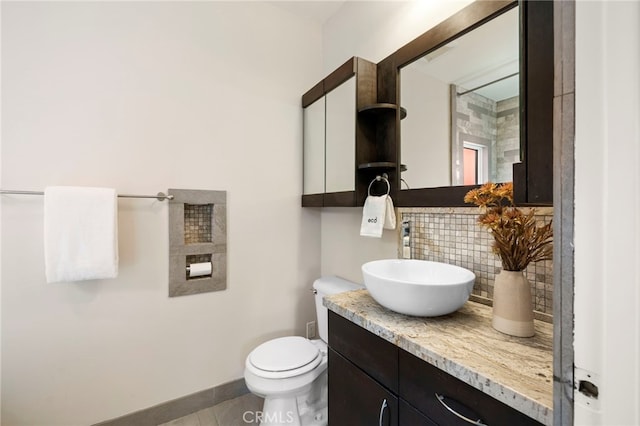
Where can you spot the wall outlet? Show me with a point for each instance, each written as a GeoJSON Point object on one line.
{"type": "Point", "coordinates": [311, 330]}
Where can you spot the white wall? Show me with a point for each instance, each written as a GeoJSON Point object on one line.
{"type": "Point", "coordinates": [145, 96]}
{"type": "Point", "coordinates": [372, 30]}
{"type": "Point", "coordinates": [375, 29]}
{"type": "Point", "coordinates": [607, 211]}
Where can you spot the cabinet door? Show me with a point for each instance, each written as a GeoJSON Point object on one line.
{"type": "Point", "coordinates": [355, 399]}
{"type": "Point", "coordinates": [409, 416]}
{"type": "Point", "coordinates": [341, 138]}
{"type": "Point", "coordinates": [313, 147]}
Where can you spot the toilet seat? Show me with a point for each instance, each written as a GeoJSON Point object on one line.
{"type": "Point", "coordinates": [284, 357]}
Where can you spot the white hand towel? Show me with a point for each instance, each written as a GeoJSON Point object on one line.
{"type": "Point", "coordinates": [80, 233]}
{"type": "Point", "coordinates": [390, 214]}
{"type": "Point", "coordinates": [373, 215]}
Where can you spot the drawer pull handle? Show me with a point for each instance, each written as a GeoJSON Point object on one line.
{"type": "Point", "coordinates": [466, 419]}
{"type": "Point", "coordinates": [382, 408]}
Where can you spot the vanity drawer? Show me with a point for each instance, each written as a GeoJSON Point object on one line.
{"type": "Point", "coordinates": [372, 354]}
{"type": "Point", "coordinates": [420, 382]}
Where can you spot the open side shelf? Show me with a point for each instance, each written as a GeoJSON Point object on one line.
{"type": "Point", "coordinates": [382, 108]}
{"type": "Point", "coordinates": [378, 165]}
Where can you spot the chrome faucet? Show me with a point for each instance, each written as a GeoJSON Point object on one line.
{"type": "Point", "coordinates": [406, 239]}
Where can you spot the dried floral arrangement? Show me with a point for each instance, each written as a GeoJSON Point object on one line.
{"type": "Point", "coordinates": [519, 240]}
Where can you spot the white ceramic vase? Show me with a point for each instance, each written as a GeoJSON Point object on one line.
{"type": "Point", "coordinates": [512, 306]}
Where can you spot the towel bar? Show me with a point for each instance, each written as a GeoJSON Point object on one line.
{"type": "Point", "coordinates": [160, 196]}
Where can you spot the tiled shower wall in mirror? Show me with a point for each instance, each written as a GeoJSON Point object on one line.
{"type": "Point", "coordinates": [494, 125]}
{"type": "Point", "coordinates": [452, 235]}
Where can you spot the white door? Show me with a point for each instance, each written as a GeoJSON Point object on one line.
{"type": "Point", "coordinates": [607, 212]}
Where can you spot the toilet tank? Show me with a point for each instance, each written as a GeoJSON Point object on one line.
{"type": "Point", "coordinates": [326, 286]}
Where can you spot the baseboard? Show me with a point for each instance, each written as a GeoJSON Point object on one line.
{"type": "Point", "coordinates": [180, 407]}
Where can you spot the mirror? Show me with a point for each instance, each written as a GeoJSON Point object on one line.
{"type": "Point", "coordinates": [463, 109]}
{"type": "Point", "coordinates": [329, 126]}
{"type": "Point", "coordinates": [313, 120]}
{"type": "Point", "coordinates": [340, 149]}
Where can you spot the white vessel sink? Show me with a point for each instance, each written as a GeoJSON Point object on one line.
{"type": "Point", "coordinates": [418, 287]}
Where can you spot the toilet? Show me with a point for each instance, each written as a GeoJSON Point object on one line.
{"type": "Point", "coordinates": [290, 373]}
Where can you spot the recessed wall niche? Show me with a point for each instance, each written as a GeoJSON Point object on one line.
{"type": "Point", "coordinates": [197, 241]}
{"type": "Point", "coordinates": [197, 223]}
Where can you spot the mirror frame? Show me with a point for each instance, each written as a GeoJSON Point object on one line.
{"type": "Point", "coordinates": [533, 176]}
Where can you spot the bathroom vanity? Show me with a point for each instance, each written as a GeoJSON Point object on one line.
{"type": "Point", "coordinates": [391, 369]}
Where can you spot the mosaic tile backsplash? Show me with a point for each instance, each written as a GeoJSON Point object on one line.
{"type": "Point", "coordinates": [197, 223]}
{"type": "Point", "coordinates": [452, 235]}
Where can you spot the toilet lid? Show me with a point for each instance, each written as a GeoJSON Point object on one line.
{"type": "Point", "coordinates": [285, 353]}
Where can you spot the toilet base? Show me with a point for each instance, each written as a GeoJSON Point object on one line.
{"type": "Point", "coordinates": [309, 409]}
{"type": "Point", "coordinates": [280, 411]}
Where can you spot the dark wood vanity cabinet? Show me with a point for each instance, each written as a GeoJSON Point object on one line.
{"type": "Point", "coordinates": [363, 376]}
{"type": "Point", "coordinates": [372, 381]}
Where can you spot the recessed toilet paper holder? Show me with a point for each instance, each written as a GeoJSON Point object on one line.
{"type": "Point", "coordinates": [199, 270]}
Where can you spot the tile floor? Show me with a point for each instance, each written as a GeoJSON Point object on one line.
{"type": "Point", "coordinates": [239, 411]}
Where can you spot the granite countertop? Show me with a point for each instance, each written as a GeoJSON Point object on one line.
{"type": "Point", "coordinates": [516, 371]}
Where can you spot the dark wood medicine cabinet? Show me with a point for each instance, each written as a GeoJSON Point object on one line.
{"type": "Point", "coordinates": [376, 132]}
{"type": "Point", "coordinates": [356, 138]}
